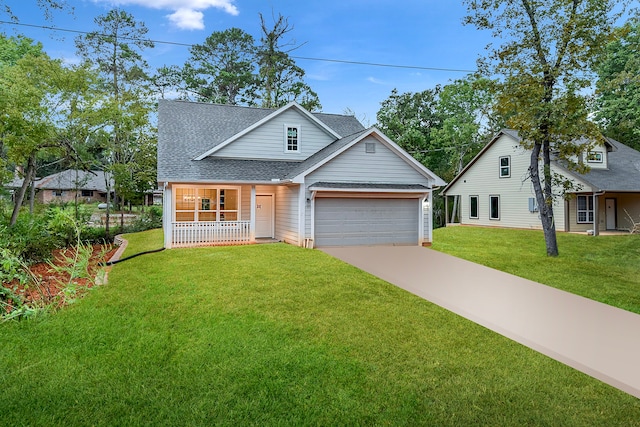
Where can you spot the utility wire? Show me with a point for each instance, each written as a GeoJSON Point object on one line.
{"type": "Point", "coordinates": [304, 58]}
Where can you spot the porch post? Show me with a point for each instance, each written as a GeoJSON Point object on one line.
{"type": "Point", "coordinates": [446, 210]}
{"type": "Point", "coordinates": [252, 217]}
{"type": "Point", "coordinates": [167, 216]}
{"type": "Point", "coordinates": [595, 215]}
{"type": "Point", "coordinates": [430, 222]}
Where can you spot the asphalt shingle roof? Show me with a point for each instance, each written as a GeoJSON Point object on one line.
{"type": "Point", "coordinates": [188, 129]}
{"type": "Point", "coordinates": [71, 179]}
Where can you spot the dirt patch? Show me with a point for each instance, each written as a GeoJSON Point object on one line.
{"type": "Point", "coordinates": [50, 279]}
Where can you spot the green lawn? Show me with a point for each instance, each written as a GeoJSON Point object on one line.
{"type": "Point", "coordinates": [603, 268]}
{"type": "Point", "coordinates": [278, 335]}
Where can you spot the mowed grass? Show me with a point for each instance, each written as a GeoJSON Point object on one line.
{"type": "Point", "coordinates": [278, 335]}
{"type": "Point", "coordinates": [602, 268]}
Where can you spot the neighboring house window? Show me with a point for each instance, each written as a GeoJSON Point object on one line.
{"type": "Point", "coordinates": [87, 193]}
{"type": "Point", "coordinates": [473, 207]}
{"type": "Point", "coordinates": [57, 193]}
{"type": "Point", "coordinates": [207, 204]}
{"type": "Point", "coordinates": [505, 167]}
{"type": "Point", "coordinates": [594, 157]}
{"type": "Point", "coordinates": [585, 209]}
{"type": "Point", "coordinates": [292, 139]}
{"type": "Point", "coordinates": [494, 207]}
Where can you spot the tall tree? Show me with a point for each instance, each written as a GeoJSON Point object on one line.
{"type": "Point", "coordinates": [222, 69]}
{"type": "Point", "coordinates": [116, 49]}
{"type": "Point", "coordinates": [409, 119]}
{"type": "Point", "coordinates": [465, 108]}
{"type": "Point", "coordinates": [618, 86]}
{"type": "Point", "coordinates": [280, 79]}
{"type": "Point", "coordinates": [548, 49]}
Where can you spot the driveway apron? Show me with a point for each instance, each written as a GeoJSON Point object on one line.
{"type": "Point", "coordinates": [597, 339]}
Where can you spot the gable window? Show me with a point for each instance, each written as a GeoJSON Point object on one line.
{"type": "Point", "coordinates": [585, 209]}
{"type": "Point", "coordinates": [594, 157]}
{"type": "Point", "coordinates": [369, 147]}
{"type": "Point", "coordinates": [473, 207]}
{"type": "Point", "coordinates": [505, 167]}
{"type": "Point", "coordinates": [494, 207]}
{"type": "Point", "coordinates": [292, 139]}
{"type": "Point", "coordinates": [207, 204]}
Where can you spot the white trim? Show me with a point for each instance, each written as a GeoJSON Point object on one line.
{"type": "Point", "coordinates": [302, 204]}
{"type": "Point", "coordinates": [213, 186]}
{"type": "Point", "coordinates": [298, 129]}
{"type": "Point", "coordinates": [490, 217]}
{"type": "Point", "coordinates": [508, 157]}
{"type": "Point", "coordinates": [265, 120]}
{"type": "Point", "coordinates": [273, 211]}
{"type": "Point", "coordinates": [370, 190]}
{"type": "Point", "coordinates": [382, 138]}
{"type": "Point", "coordinates": [252, 217]}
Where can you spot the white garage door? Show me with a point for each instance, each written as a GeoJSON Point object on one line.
{"type": "Point", "coordinates": [346, 222]}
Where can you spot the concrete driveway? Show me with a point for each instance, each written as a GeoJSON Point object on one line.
{"type": "Point", "coordinates": [595, 338]}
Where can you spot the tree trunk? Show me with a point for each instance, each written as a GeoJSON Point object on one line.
{"type": "Point", "coordinates": [32, 193]}
{"type": "Point", "coordinates": [544, 196]}
{"type": "Point", "coordinates": [31, 167]}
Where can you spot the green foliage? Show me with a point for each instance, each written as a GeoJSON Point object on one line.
{"type": "Point", "coordinates": [28, 239]}
{"type": "Point", "coordinates": [603, 268]}
{"type": "Point", "coordinates": [66, 223]}
{"type": "Point", "coordinates": [618, 86]}
{"type": "Point", "coordinates": [545, 62]}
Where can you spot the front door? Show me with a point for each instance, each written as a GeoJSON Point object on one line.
{"type": "Point", "coordinates": [264, 216]}
{"type": "Point", "coordinates": [611, 213]}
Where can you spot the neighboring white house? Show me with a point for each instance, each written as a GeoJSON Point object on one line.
{"type": "Point", "coordinates": [235, 174]}
{"type": "Point", "coordinates": [495, 189]}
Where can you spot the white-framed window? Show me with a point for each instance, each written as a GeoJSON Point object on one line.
{"type": "Point", "coordinates": [505, 166]}
{"type": "Point", "coordinates": [473, 207]}
{"type": "Point", "coordinates": [57, 193]}
{"type": "Point", "coordinates": [533, 204]}
{"type": "Point", "coordinates": [291, 138]}
{"type": "Point", "coordinates": [584, 206]}
{"type": "Point", "coordinates": [494, 207]}
{"type": "Point", "coordinates": [203, 203]}
{"type": "Point", "coordinates": [594, 157]}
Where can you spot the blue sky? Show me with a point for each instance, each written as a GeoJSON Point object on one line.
{"type": "Point", "coordinates": [420, 33]}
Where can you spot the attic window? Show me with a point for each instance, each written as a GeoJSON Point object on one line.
{"type": "Point", "coordinates": [594, 157]}
{"type": "Point", "coordinates": [369, 147]}
{"type": "Point", "coordinates": [292, 139]}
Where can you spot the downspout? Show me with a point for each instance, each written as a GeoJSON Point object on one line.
{"type": "Point", "coordinates": [596, 225]}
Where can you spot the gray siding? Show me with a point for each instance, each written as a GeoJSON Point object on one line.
{"type": "Point", "coordinates": [287, 214]}
{"type": "Point", "coordinates": [267, 141]}
{"type": "Point", "coordinates": [355, 165]}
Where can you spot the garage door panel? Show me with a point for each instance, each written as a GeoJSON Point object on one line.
{"type": "Point", "coordinates": [344, 221]}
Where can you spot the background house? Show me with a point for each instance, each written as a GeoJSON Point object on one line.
{"type": "Point", "coordinates": [235, 174]}
{"type": "Point", "coordinates": [70, 184]}
{"type": "Point", "coordinates": [495, 190]}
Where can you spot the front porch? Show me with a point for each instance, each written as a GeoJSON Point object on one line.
{"type": "Point", "coordinates": [210, 233]}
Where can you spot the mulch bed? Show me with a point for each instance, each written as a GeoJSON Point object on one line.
{"type": "Point", "coordinates": [51, 281]}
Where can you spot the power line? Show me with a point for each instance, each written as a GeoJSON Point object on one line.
{"type": "Point", "coordinates": [304, 58]}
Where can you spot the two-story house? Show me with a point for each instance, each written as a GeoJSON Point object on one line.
{"type": "Point", "coordinates": [233, 175]}
{"type": "Point", "coordinates": [494, 189]}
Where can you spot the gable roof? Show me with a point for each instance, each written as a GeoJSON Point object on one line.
{"type": "Point", "coordinates": [337, 147]}
{"type": "Point", "coordinates": [272, 115]}
{"type": "Point", "coordinates": [71, 179]}
{"type": "Point", "coordinates": [622, 174]}
{"type": "Point", "coordinates": [188, 130]}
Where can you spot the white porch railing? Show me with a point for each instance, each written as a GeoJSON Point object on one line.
{"type": "Point", "coordinates": [188, 234]}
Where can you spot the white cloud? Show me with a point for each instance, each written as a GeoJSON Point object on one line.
{"type": "Point", "coordinates": [375, 81]}
{"type": "Point", "coordinates": [187, 19]}
{"type": "Point", "coordinates": [187, 14]}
